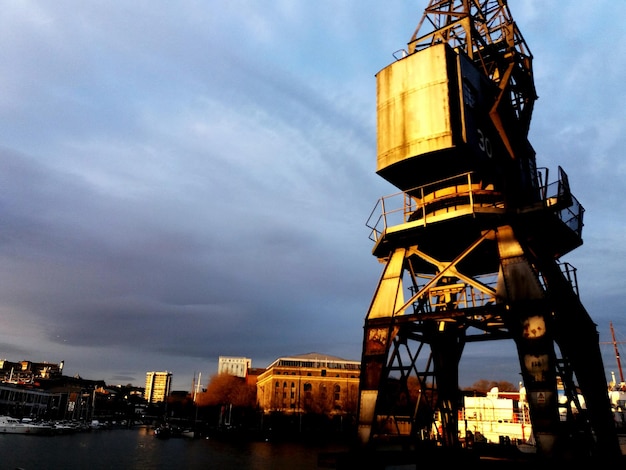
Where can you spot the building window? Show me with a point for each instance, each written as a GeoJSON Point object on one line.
{"type": "Point", "coordinates": [323, 372]}
{"type": "Point", "coordinates": [337, 391]}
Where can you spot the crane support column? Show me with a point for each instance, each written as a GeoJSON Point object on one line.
{"type": "Point", "coordinates": [378, 336]}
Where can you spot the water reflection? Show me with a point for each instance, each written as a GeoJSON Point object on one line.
{"type": "Point", "coordinates": [138, 449]}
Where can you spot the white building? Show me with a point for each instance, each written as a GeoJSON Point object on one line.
{"type": "Point", "coordinates": [157, 386]}
{"type": "Point", "coordinates": [237, 366]}
{"type": "Point", "coordinates": [498, 416]}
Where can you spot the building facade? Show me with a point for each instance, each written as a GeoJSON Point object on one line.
{"type": "Point", "coordinates": [237, 366]}
{"type": "Point", "coordinates": [158, 386]}
{"type": "Point", "coordinates": [19, 401]}
{"type": "Point", "coordinates": [27, 372]}
{"type": "Point", "coordinates": [309, 383]}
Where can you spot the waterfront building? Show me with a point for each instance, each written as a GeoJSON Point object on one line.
{"type": "Point", "coordinates": [157, 386]}
{"type": "Point", "coordinates": [20, 401]}
{"type": "Point", "coordinates": [60, 397]}
{"type": "Point", "coordinates": [310, 382]}
{"type": "Point", "coordinates": [237, 366]}
{"type": "Point", "coordinates": [27, 372]}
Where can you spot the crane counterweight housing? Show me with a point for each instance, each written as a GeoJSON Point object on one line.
{"type": "Point", "coordinates": [433, 109]}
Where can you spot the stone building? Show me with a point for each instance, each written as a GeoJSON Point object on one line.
{"type": "Point", "coordinates": [313, 382]}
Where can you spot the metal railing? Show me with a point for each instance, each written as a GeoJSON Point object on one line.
{"type": "Point", "coordinates": [423, 203]}
{"type": "Point", "coordinates": [457, 296]}
{"type": "Point", "coordinates": [557, 195]}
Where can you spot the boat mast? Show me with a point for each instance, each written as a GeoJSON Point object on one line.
{"type": "Point", "coordinates": [619, 362]}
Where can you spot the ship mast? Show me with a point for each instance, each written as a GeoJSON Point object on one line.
{"type": "Point", "coordinates": [617, 358]}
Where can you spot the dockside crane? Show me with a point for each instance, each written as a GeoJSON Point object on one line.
{"type": "Point", "coordinates": [471, 245]}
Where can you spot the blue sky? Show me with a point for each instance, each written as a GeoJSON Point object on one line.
{"type": "Point", "coordinates": [185, 180]}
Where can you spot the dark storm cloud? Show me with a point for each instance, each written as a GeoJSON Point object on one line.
{"type": "Point", "coordinates": [179, 182]}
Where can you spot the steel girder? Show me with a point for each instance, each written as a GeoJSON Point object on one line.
{"type": "Point", "coordinates": [412, 349]}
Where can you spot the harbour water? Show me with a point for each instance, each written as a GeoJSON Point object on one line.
{"type": "Point", "coordinates": [138, 449]}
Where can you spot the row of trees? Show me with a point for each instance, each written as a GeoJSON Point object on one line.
{"type": "Point", "coordinates": [230, 403]}
{"type": "Point", "coordinates": [228, 389]}
{"type": "Point", "coordinates": [228, 407]}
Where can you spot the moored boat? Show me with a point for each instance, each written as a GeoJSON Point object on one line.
{"type": "Point", "coordinates": [499, 418]}
{"type": "Point", "coordinates": [163, 432]}
{"type": "Point", "coordinates": [10, 425]}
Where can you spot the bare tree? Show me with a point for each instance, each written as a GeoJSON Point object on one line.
{"type": "Point", "coordinates": [486, 385]}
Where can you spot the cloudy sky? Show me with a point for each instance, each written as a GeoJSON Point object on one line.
{"type": "Point", "coordinates": [184, 180]}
